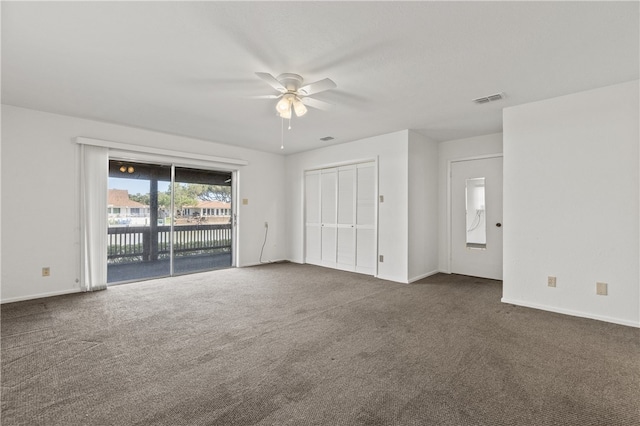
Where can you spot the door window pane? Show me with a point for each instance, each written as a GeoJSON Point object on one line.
{"type": "Point", "coordinates": [476, 215]}
{"type": "Point", "coordinates": [137, 235]}
{"type": "Point", "coordinates": [203, 232]}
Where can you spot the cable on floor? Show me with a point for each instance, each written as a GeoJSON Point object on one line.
{"type": "Point", "coordinates": [266, 231]}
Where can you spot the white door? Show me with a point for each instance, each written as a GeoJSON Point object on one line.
{"type": "Point", "coordinates": [346, 244]}
{"type": "Point", "coordinates": [476, 217]}
{"type": "Point", "coordinates": [340, 217]}
{"type": "Point", "coordinates": [328, 216]}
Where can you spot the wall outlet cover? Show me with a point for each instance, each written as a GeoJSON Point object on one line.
{"type": "Point", "coordinates": [551, 281]}
{"type": "Point", "coordinates": [602, 289]}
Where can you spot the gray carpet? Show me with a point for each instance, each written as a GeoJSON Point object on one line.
{"type": "Point", "coordinates": [289, 344]}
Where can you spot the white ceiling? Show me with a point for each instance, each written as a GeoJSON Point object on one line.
{"type": "Point", "coordinates": [188, 67]}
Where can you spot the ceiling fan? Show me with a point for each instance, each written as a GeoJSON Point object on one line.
{"type": "Point", "coordinates": [293, 95]}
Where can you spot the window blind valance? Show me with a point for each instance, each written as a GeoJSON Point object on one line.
{"type": "Point", "coordinates": [133, 152]}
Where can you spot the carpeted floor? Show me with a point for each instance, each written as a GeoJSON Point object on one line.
{"type": "Point", "coordinates": [288, 344]}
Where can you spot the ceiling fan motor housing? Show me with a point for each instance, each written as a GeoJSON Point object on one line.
{"type": "Point", "coordinates": [291, 81]}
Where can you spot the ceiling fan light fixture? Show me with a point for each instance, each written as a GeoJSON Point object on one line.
{"type": "Point", "coordinates": [286, 114]}
{"type": "Point", "coordinates": [294, 97]}
{"type": "Point", "coordinates": [299, 108]}
{"type": "Point", "coordinates": [284, 104]}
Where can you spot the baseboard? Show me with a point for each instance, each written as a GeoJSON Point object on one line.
{"type": "Point", "coordinates": [419, 277]}
{"type": "Point", "coordinates": [571, 312]}
{"type": "Point", "coordinates": [391, 278]}
{"type": "Point", "coordinates": [266, 262]}
{"type": "Point", "coordinates": [40, 296]}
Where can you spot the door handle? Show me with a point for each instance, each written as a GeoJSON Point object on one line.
{"type": "Point", "coordinates": [498, 224]}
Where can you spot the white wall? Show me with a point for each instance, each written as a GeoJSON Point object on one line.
{"type": "Point", "coordinates": [423, 206]}
{"type": "Point", "coordinates": [391, 151]}
{"type": "Point", "coordinates": [571, 203]}
{"type": "Point", "coordinates": [449, 151]}
{"type": "Point", "coordinates": [1, 210]}
{"type": "Point", "coordinates": [39, 189]}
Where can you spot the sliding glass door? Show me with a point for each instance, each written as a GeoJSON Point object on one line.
{"type": "Point", "coordinates": [202, 226]}
{"type": "Point", "coordinates": [165, 220]}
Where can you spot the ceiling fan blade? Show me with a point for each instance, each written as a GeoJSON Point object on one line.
{"type": "Point", "coordinates": [271, 81]}
{"type": "Point", "coordinates": [314, 103]}
{"type": "Point", "coordinates": [265, 97]}
{"type": "Point", "coordinates": [317, 87]}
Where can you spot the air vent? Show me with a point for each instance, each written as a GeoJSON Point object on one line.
{"type": "Point", "coordinates": [327, 138]}
{"type": "Point", "coordinates": [489, 98]}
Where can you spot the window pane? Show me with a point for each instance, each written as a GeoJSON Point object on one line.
{"type": "Point", "coordinates": [138, 238]}
{"type": "Point", "coordinates": [203, 232]}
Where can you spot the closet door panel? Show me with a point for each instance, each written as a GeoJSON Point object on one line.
{"type": "Point", "coordinates": [346, 256]}
{"type": "Point", "coordinates": [328, 209]}
{"type": "Point", "coordinates": [328, 190]}
{"type": "Point", "coordinates": [366, 251]}
{"type": "Point", "coordinates": [346, 195]}
{"type": "Point", "coordinates": [328, 246]}
{"type": "Point", "coordinates": [313, 244]}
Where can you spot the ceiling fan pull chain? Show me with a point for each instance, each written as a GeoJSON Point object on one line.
{"type": "Point", "coordinates": [289, 122]}
{"type": "Point", "coordinates": [282, 134]}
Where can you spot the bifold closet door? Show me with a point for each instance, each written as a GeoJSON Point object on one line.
{"type": "Point", "coordinates": [346, 236]}
{"type": "Point", "coordinates": [328, 216]}
{"type": "Point", "coordinates": [340, 217]}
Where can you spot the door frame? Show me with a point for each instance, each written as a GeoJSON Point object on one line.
{"type": "Point", "coordinates": [151, 158]}
{"type": "Point", "coordinates": [449, 198]}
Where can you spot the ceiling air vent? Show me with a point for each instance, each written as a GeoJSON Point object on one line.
{"type": "Point", "coordinates": [489, 98]}
{"type": "Point", "coordinates": [327, 138]}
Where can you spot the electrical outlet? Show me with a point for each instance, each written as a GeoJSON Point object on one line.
{"type": "Point", "coordinates": [602, 289]}
{"type": "Point", "coordinates": [245, 201]}
{"type": "Point", "coordinates": [381, 258]}
{"type": "Point", "coordinates": [266, 224]}
{"type": "Point", "coordinates": [382, 198]}
{"type": "Point", "coordinates": [551, 281]}
{"type": "Point", "coordinates": [46, 271]}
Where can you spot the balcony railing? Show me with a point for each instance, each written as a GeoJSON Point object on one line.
{"type": "Point", "coordinates": [136, 243]}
